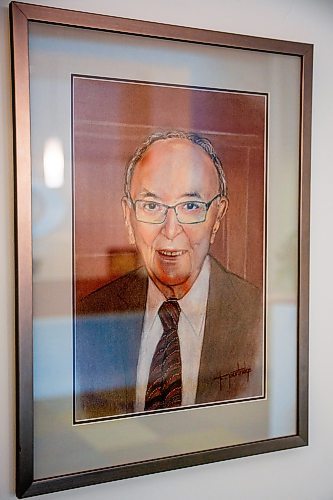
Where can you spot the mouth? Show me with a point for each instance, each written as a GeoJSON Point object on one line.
{"type": "Point", "coordinates": [171, 253]}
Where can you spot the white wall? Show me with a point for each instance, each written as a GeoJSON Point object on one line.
{"type": "Point", "coordinates": [305, 473]}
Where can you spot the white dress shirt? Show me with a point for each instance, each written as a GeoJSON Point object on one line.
{"type": "Point", "coordinates": [191, 328]}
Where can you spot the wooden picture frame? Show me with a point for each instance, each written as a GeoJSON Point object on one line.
{"type": "Point", "coordinates": [214, 62]}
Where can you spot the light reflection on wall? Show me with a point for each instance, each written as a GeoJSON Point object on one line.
{"type": "Point", "coordinates": [53, 161]}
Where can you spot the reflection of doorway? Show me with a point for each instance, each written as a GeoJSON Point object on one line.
{"type": "Point", "coordinates": [111, 118]}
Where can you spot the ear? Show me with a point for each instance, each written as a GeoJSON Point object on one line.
{"type": "Point", "coordinates": [222, 208]}
{"type": "Point", "coordinates": [127, 218]}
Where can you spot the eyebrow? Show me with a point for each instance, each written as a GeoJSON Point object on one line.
{"type": "Point", "coordinates": [148, 194]}
{"type": "Point", "coordinates": [193, 194]}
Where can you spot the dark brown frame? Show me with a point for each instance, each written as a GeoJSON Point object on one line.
{"type": "Point", "coordinates": [21, 14]}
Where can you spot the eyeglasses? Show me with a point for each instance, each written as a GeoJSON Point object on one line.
{"type": "Point", "coordinates": [187, 212]}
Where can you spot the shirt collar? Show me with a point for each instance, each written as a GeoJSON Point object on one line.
{"type": "Point", "coordinates": [193, 304]}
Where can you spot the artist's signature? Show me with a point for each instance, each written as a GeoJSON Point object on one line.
{"type": "Point", "coordinates": [241, 370]}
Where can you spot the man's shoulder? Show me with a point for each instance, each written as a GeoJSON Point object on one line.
{"type": "Point", "coordinates": [123, 294]}
{"type": "Point", "coordinates": [230, 287]}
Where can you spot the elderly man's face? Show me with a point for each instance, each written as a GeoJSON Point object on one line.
{"type": "Point", "coordinates": [174, 171]}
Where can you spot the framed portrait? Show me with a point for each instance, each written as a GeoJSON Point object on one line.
{"type": "Point", "coordinates": [162, 226]}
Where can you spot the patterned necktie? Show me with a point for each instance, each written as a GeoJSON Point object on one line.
{"type": "Point", "coordinates": [164, 388]}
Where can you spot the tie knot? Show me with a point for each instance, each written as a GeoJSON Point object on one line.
{"type": "Point", "coordinates": [169, 314]}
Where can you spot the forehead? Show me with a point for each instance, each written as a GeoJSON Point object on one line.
{"type": "Point", "coordinates": [173, 167]}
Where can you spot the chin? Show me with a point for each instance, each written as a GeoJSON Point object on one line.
{"type": "Point", "coordinates": [172, 280]}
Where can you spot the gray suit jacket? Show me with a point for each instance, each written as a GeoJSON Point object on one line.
{"type": "Point", "coordinates": [108, 329]}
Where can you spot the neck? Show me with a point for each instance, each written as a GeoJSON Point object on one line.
{"type": "Point", "coordinates": [174, 291]}
{"type": "Point", "coordinates": [177, 291]}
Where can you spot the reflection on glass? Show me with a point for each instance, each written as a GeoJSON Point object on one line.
{"type": "Point", "coordinates": [53, 161]}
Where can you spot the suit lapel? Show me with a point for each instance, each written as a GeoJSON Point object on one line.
{"type": "Point", "coordinates": [213, 360]}
{"type": "Point", "coordinates": [133, 291]}
{"type": "Point", "coordinates": [133, 296]}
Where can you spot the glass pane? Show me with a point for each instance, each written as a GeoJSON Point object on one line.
{"type": "Point", "coordinates": [56, 53]}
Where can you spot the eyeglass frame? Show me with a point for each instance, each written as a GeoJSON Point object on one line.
{"type": "Point", "coordinates": [168, 207]}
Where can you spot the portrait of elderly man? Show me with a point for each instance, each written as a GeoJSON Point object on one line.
{"type": "Point", "coordinates": [181, 330]}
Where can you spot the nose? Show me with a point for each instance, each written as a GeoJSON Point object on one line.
{"type": "Point", "coordinates": [171, 227]}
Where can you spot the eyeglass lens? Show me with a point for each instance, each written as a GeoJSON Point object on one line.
{"type": "Point", "coordinates": [188, 212]}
